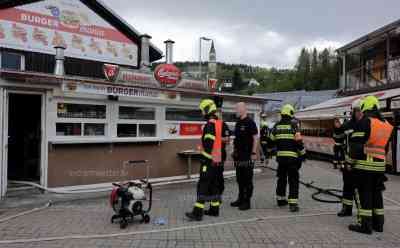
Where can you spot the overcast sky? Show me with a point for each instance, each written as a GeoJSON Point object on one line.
{"type": "Point", "coordinates": [258, 32]}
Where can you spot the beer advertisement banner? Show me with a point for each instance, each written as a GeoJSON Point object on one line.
{"type": "Point", "coordinates": [38, 27]}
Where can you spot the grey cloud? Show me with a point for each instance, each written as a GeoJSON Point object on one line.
{"type": "Point", "coordinates": [259, 32]}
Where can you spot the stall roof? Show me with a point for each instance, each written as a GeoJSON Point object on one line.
{"type": "Point", "coordinates": [105, 12]}
{"type": "Point", "coordinates": [370, 36]}
{"type": "Point", "coordinates": [337, 106]}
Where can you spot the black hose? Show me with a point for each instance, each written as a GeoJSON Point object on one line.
{"type": "Point", "coordinates": [319, 191]}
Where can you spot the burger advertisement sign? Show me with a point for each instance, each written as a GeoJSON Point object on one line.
{"type": "Point", "coordinates": [40, 26]}
{"type": "Point", "coordinates": [168, 75]}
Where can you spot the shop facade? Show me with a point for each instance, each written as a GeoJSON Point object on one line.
{"type": "Point", "coordinates": [77, 128]}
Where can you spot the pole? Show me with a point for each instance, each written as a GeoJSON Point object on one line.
{"type": "Point", "coordinates": [200, 57]}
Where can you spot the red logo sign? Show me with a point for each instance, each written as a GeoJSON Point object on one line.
{"type": "Point", "coordinates": [168, 75]}
{"type": "Point", "coordinates": [212, 84]}
{"type": "Point", "coordinates": [111, 72]}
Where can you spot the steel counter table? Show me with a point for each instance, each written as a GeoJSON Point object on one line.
{"type": "Point", "coordinates": [189, 154]}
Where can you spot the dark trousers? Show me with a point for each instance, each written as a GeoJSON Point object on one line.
{"type": "Point", "coordinates": [244, 178]}
{"type": "Point", "coordinates": [369, 187]}
{"type": "Point", "coordinates": [348, 188]}
{"type": "Point", "coordinates": [207, 186]}
{"type": "Point", "coordinates": [288, 170]}
{"type": "Point", "coordinates": [264, 150]}
{"type": "Point", "coordinates": [220, 179]}
{"type": "Point", "coordinates": [338, 157]}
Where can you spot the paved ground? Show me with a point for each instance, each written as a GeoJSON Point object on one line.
{"type": "Point", "coordinates": [264, 226]}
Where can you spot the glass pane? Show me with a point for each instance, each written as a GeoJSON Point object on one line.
{"type": "Point", "coordinates": [127, 130]}
{"type": "Point", "coordinates": [94, 129]}
{"type": "Point", "coordinates": [175, 114]}
{"type": "Point", "coordinates": [68, 129]}
{"type": "Point", "coordinates": [229, 117]}
{"type": "Point", "coordinates": [147, 130]}
{"type": "Point", "coordinates": [86, 111]}
{"type": "Point", "coordinates": [136, 113]}
{"type": "Point", "coordinates": [11, 61]}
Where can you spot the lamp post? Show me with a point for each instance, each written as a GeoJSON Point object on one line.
{"type": "Point", "coordinates": [205, 39]}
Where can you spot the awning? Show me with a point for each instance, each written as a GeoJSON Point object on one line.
{"type": "Point", "coordinates": [338, 106]}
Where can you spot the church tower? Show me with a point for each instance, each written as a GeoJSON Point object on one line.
{"type": "Point", "coordinates": [212, 62]}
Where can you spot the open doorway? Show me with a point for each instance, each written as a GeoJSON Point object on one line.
{"type": "Point", "coordinates": [24, 137]}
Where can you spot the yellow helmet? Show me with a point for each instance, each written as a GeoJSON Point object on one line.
{"type": "Point", "coordinates": [207, 106]}
{"type": "Point", "coordinates": [369, 103]}
{"type": "Point", "coordinates": [287, 110]}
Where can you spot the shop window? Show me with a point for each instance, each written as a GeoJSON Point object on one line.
{"type": "Point", "coordinates": [136, 113]}
{"type": "Point", "coordinates": [13, 61]}
{"type": "Point", "coordinates": [94, 129]}
{"type": "Point", "coordinates": [147, 130]}
{"type": "Point", "coordinates": [82, 111]}
{"type": "Point", "coordinates": [176, 114]}
{"type": "Point", "coordinates": [126, 130]}
{"type": "Point", "coordinates": [69, 129]}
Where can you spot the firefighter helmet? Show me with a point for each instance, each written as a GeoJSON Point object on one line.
{"type": "Point", "coordinates": [369, 103]}
{"type": "Point", "coordinates": [288, 110]}
{"type": "Point", "coordinates": [357, 104]}
{"type": "Point", "coordinates": [207, 106]}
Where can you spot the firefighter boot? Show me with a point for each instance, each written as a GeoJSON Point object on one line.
{"type": "Point", "coordinates": [245, 205]}
{"type": "Point", "coordinates": [282, 203]}
{"type": "Point", "coordinates": [365, 227]}
{"type": "Point", "coordinates": [213, 211]}
{"type": "Point", "coordinates": [196, 214]}
{"type": "Point", "coordinates": [346, 211]}
{"type": "Point", "coordinates": [377, 223]}
{"type": "Point", "coordinates": [294, 208]}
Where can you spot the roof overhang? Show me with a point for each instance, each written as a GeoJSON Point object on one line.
{"type": "Point", "coordinates": [105, 12]}
{"type": "Point", "coordinates": [336, 107]}
{"type": "Point", "coordinates": [370, 37]}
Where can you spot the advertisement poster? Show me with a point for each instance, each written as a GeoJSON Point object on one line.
{"type": "Point", "coordinates": [39, 27]}
{"type": "Point", "coordinates": [187, 129]}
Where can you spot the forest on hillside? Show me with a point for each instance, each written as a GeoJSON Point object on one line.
{"type": "Point", "coordinates": [314, 70]}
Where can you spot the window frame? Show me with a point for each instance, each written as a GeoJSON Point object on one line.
{"type": "Point", "coordinates": [22, 66]}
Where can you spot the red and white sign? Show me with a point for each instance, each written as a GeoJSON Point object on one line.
{"type": "Point", "coordinates": [168, 75]}
{"type": "Point", "coordinates": [40, 26]}
{"type": "Point", "coordinates": [190, 129]}
{"type": "Point", "coordinates": [111, 72]}
{"type": "Point", "coordinates": [212, 84]}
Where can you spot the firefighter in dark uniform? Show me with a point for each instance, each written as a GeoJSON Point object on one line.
{"type": "Point", "coordinates": [207, 186]}
{"type": "Point", "coordinates": [338, 148]}
{"type": "Point", "coordinates": [286, 137]}
{"type": "Point", "coordinates": [264, 136]}
{"type": "Point", "coordinates": [369, 166]}
{"type": "Point", "coordinates": [226, 133]}
{"type": "Point", "coordinates": [347, 172]}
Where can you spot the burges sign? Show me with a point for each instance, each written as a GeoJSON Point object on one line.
{"type": "Point", "coordinates": [165, 76]}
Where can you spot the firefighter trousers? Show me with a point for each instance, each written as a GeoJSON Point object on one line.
{"type": "Point", "coordinates": [207, 186]}
{"type": "Point", "coordinates": [369, 187]}
{"type": "Point", "coordinates": [348, 188]}
{"type": "Point", "coordinates": [220, 179]}
{"type": "Point", "coordinates": [288, 170]}
{"type": "Point", "coordinates": [264, 149]}
{"type": "Point", "coordinates": [244, 178]}
{"type": "Point", "coordinates": [338, 157]}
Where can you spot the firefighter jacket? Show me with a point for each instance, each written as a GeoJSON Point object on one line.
{"type": "Point", "coordinates": [371, 153]}
{"type": "Point", "coordinates": [286, 138]}
{"type": "Point", "coordinates": [339, 136]}
{"type": "Point", "coordinates": [212, 141]}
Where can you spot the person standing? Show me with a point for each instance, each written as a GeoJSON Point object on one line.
{"type": "Point", "coordinates": [244, 155]}
{"type": "Point", "coordinates": [338, 148]}
{"type": "Point", "coordinates": [226, 133]}
{"type": "Point", "coordinates": [351, 140]}
{"type": "Point", "coordinates": [286, 137]}
{"type": "Point", "coordinates": [264, 135]}
{"type": "Point", "coordinates": [207, 186]}
{"type": "Point", "coordinates": [370, 165]}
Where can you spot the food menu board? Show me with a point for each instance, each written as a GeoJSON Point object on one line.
{"type": "Point", "coordinates": [40, 26]}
